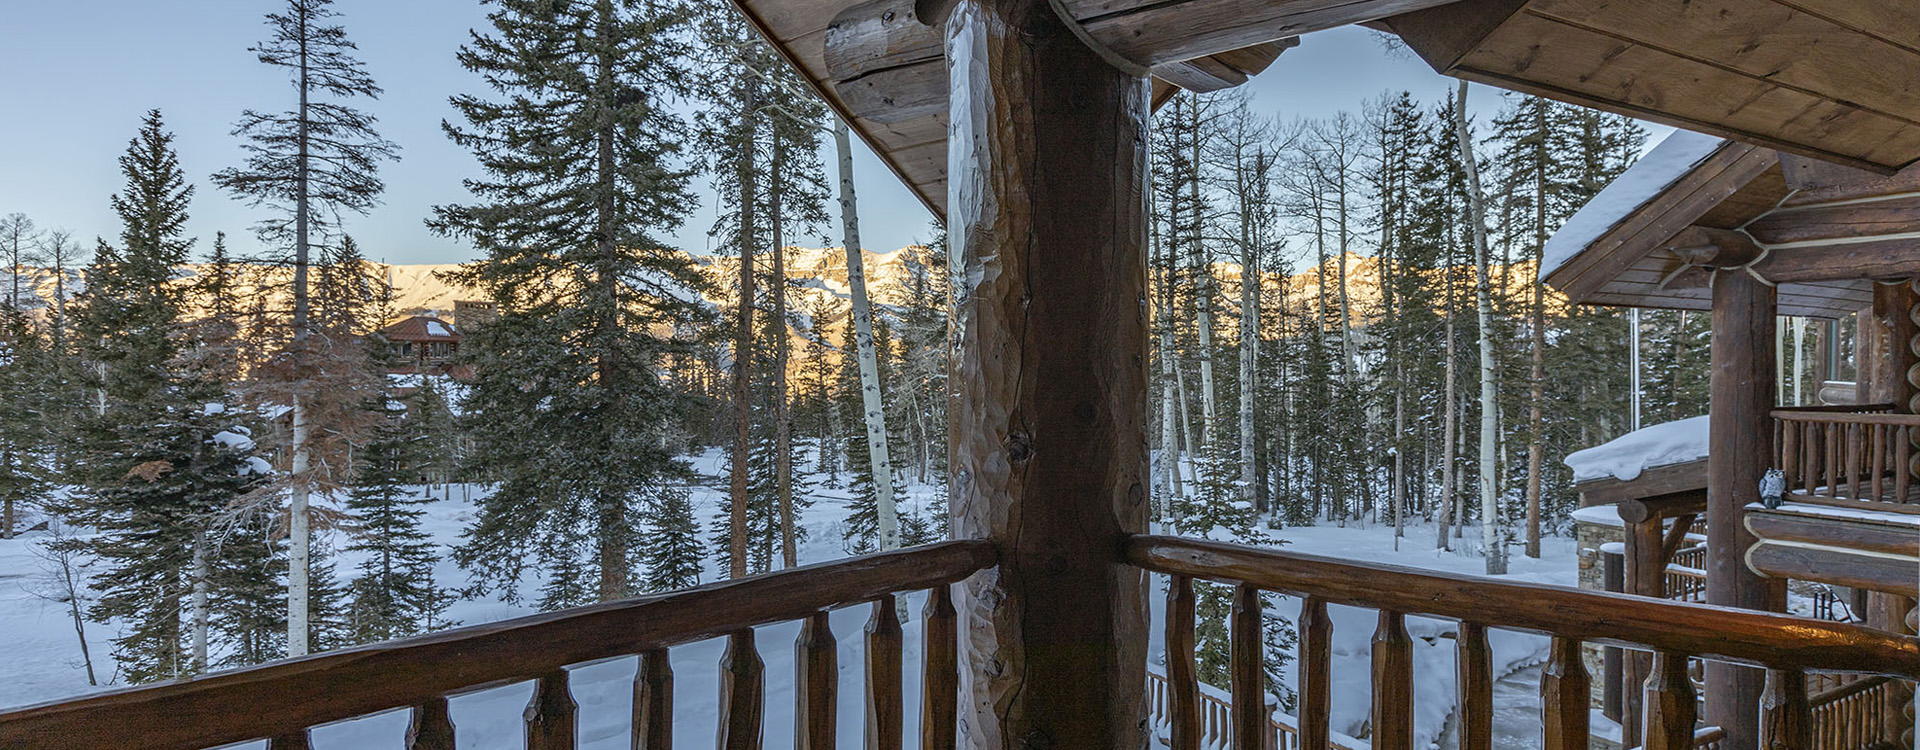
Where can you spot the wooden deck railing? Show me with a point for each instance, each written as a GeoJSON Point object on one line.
{"type": "Point", "coordinates": [1851, 716]}
{"type": "Point", "coordinates": [1282, 732]}
{"type": "Point", "coordinates": [1789, 647]}
{"type": "Point", "coordinates": [281, 701]}
{"type": "Point", "coordinates": [1855, 456]}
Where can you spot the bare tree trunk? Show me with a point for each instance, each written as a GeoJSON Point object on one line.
{"type": "Point", "coordinates": [742, 365]}
{"type": "Point", "coordinates": [201, 611]}
{"type": "Point", "coordinates": [1537, 377]}
{"type": "Point", "coordinates": [1203, 316]}
{"type": "Point", "coordinates": [300, 536]}
{"type": "Point", "coordinates": [874, 413]}
{"type": "Point", "coordinates": [1448, 493]}
{"type": "Point", "coordinates": [782, 410]}
{"type": "Point", "coordinates": [1489, 395]}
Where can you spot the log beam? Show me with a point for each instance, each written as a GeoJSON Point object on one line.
{"type": "Point", "coordinates": [1739, 451]}
{"type": "Point", "coordinates": [885, 58]}
{"type": "Point", "coordinates": [1840, 260]}
{"type": "Point", "coordinates": [1048, 396]}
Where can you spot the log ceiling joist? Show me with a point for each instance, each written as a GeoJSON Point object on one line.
{"type": "Point", "coordinates": [1832, 79]}
{"type": "Point", "coordinates": [881, 68]}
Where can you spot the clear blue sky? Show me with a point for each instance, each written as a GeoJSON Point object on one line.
{"type": "Point", "coordinates": [75, 77]}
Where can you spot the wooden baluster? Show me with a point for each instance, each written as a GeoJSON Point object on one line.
{"type": "Point", "coordinates": [290, 741]}
{"type": "Point", "coordinates": [885, 714]}
{"type": "Point", "coordinates": [1854, 440]}
{"type": "Point", "coordinates": [1564, 697]}
{"type": "Point", "coordinates": [1316, 675]}
{"type": "Point", "coordinates": [1879, 468]}
{"type": "Point", "coordinates": [1670, 704]}
{"type": "Point", "coordinates": [1785, 718]}
{"type": "Point", "coordinates": [1392, 683]}
{"type": "Point", "coordinates": [1183, 690]}
{"type": "Point", "coordinates": [1902, 463]}
{"type": "Point", "coordinates": [816, 686]}
{"type": "Point", "coordinates": [1247, 644]}
{"type": "Point", "coordinates": [1789, 451]}
{"type": "Point", "coordinates": [1833, 461]}
{"type": "Point", "coordinates": [653, 702]}
{"type": "Point", "coordinates": [550, 715]}
{"type": "Point", "coordinates": [1810, 466]}
{"type": "Point", "coordinates": [431, 727]}
{"type": "Point", "coordinates": [1474, 662]}
{"type": "Point", "coordinates": [940, 704]}
{"type": "Point", "coordinates": [742, 693]}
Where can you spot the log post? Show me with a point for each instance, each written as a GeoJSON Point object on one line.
{"type": "Point", "coordinates": [1646, 575]}
{"type": "Point", "coordinates": [1739, 451]}
{"type": "Point", "coordinates": [1048, 387]}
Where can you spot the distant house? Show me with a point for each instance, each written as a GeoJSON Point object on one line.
{"type": "Point", "coordinates": [424, 344]}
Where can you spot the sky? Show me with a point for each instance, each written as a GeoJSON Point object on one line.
{"type": "Point", "coordinates": [76, 76]}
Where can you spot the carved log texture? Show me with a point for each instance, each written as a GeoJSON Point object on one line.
{"type": "Point", "coordinates": [1183, 688]}
{"type": "Point", "coordinates": [1048, 401]}
{"type": "Point", "coordinates": [550, 714]}
{"type": "Point", "coordinates": [1474, 662]}
{"type": "Point", "coordinates": [653, 702]}
{"type": "Point", "coordinates": [1671, 708]}
{"type": "Point", "coordinates": [742, 693]}
{"type": "Point", "coordinates": [1249, 676]}
{"type": "Point", "coordinates": [885, 710]}
{"type": "Point", "coordinates": [817, 684]}
{"type": "Point", "coordinates": [431, 727]}
{"type": "Point", "coordinates": [940, 705]}
{"type": "Point", "coordinates": [1564, 696]}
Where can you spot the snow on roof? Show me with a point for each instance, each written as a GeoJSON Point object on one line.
{"type": "Point", "coordinates": [437, 328]}
{"type": "Point", "coordinates": [1659, 169]}
{"type": "Point", "coordinates": [1625, 457]}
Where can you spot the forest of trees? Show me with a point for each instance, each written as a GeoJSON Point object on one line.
{"type": "Point", "coordinates": [1348, 330]}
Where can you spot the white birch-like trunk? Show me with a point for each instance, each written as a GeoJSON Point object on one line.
{"type": "Point", "coordinates": [1489, 397]}
{"type": "Point", "coordinates": [299, 537]}
{"type": "Point", "coordinates": [201, 610]}
{"type": "Point", "coordinates": [1249, 341]}
{"type": "Point", "coordinates": [1203, 320]}
{"type": "Point", "coordinates": [1799, 357]}
{"type": "Point", "coordinates": [873, 413]}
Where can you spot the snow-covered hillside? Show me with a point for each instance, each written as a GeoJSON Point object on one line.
{"type": "Point", "coordinates": [43, 656]}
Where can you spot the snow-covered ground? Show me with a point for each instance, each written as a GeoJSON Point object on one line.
{"type": "Point", "coordinates": [43, 660]}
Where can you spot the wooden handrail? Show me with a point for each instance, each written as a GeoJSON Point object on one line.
{"type": "Point", "coordinates": [1749, 637]}
{"type": "Point", "coordinates": [1838, 409]}
{"type": "Point", "coordinates": [1856, 687]}
{"type": "Point", "coordinates": [1846, 417]}
{"type": "Point", "coordinates": [287, 697]}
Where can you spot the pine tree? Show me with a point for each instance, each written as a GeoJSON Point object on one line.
{"type": "Point", "coordinates": [309, 163]}
{"type": "Point", "coordinates": [671, 549]}
{"type": "Point", "coordinates": [393, 593]}
{"type": "Point", "coordinates": [155, 458]}
{"type": "Point", "coordinates": [580, 152]}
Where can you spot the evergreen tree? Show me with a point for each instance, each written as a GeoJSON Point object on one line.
{"type": "Point", "coordinates": [309, 163]}
{"type": "Point", "coordinates": [157, 458]}
{"type": "Point", "coordinates": [579, 149]}
{"type": "Point", "coordinates": [393, 593]}
{"type": "Point", "coordinates": [671, 550]}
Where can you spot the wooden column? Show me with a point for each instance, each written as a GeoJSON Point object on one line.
{"type": "Point", "coordinates": [1048, 387]}
{"type": "Point", "coordinates": [1887, 351]}
{"type": "Point", "coordinates": [1739, 451]}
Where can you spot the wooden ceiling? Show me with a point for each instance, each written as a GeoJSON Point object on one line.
{"type": "Point", "coordinates": [1837, 80]}
{"type": "Point", "coordinates": [887, 75]}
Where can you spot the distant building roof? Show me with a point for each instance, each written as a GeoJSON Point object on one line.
{"type": "Point", "coordinates": [422, 328]}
